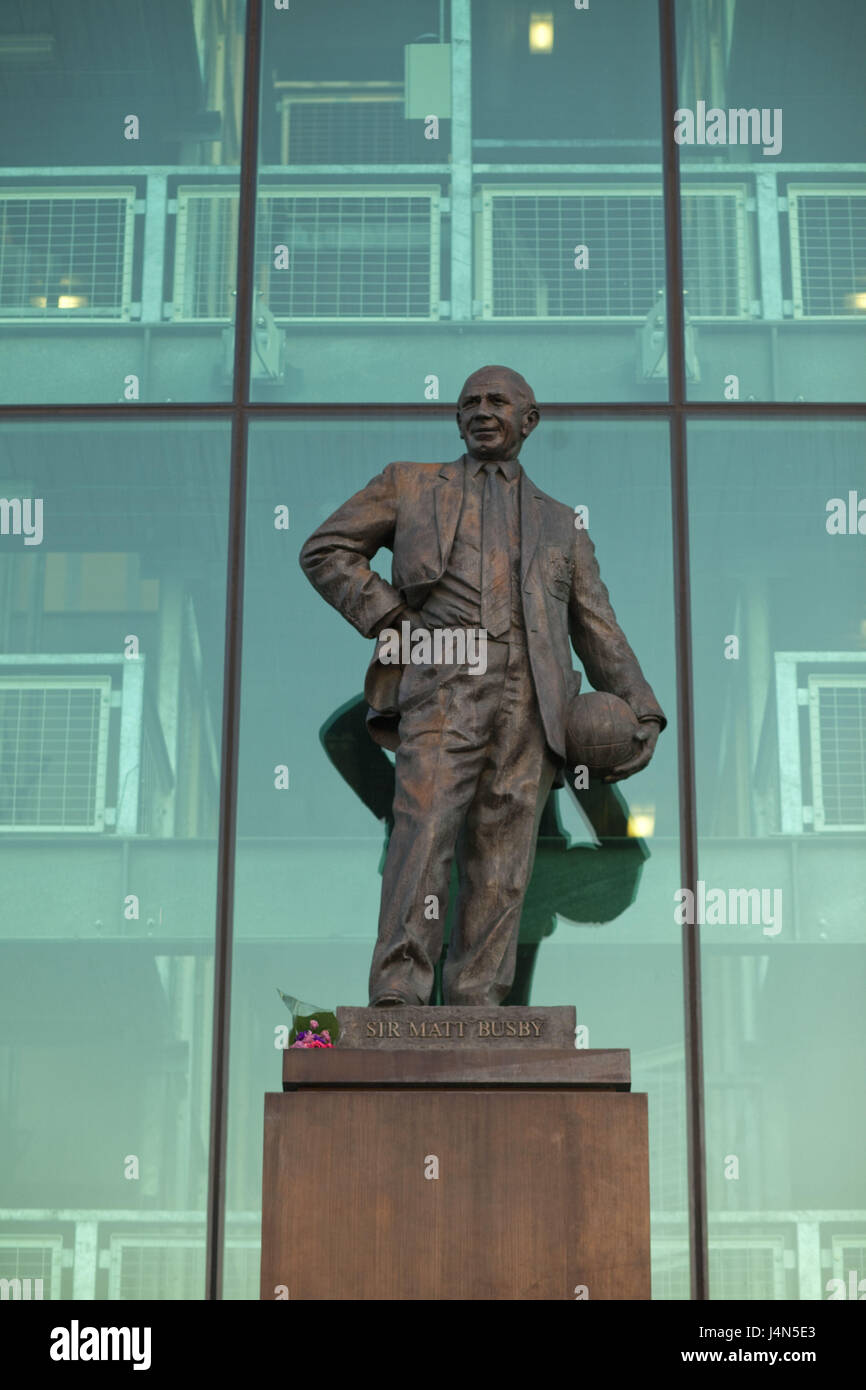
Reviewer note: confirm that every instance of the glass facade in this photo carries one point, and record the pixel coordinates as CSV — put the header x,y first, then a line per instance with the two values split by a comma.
x,y
772,149
115,280
399,193
780,695
112,601
491,187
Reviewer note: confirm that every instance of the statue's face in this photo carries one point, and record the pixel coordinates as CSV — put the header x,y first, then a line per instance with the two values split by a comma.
x,y
494,417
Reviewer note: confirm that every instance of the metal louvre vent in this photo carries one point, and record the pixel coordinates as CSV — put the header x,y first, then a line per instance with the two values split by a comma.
x,y
529,238
348,132
849,1254
364,254
368,255
837,727
66,254
28,1259
170,1267
828,250
53,752
670,1269
752,1269
739,1266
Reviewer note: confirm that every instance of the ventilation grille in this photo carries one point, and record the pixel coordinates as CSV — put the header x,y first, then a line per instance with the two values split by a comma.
x,y
837,725
53,749
747,1270
670,1269
66,255
349,130
739,1268
367,255
360,123
828,251
343,132
849,1254
529,239
168,1267
31,1258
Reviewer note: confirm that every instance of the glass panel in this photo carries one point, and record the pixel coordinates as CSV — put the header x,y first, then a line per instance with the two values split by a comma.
x,y
112,589
777,526
118,199
773,158
439,190
597,928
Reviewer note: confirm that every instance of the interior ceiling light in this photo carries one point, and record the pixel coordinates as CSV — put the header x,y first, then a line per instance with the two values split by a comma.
x,y
541,33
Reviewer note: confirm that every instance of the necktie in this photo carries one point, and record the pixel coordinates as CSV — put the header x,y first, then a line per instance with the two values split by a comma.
x,y
495,556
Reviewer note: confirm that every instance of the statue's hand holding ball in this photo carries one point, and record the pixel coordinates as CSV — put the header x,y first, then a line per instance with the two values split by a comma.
x,y
604,736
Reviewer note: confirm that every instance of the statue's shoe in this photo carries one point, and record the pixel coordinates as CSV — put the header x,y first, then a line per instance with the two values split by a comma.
x,y
388,1001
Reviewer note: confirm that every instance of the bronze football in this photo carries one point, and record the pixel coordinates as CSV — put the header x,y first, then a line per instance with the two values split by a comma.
x,y
599,732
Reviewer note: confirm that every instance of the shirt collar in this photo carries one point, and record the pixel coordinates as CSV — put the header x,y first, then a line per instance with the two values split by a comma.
x,y
510,467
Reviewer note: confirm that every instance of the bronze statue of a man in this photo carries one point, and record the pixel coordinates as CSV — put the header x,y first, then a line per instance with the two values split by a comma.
x,y
479,548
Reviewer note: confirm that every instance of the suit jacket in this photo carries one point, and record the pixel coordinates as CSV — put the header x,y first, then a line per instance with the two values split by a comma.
x,y
413,509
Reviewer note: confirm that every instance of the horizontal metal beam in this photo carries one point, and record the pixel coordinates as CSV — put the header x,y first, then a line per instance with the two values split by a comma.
x,y
441,410
686,168
762,1217
63,659
232,171
565,144
136,1216
300,170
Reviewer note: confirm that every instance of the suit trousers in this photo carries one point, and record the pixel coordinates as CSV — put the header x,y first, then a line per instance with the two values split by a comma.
x,y
473,773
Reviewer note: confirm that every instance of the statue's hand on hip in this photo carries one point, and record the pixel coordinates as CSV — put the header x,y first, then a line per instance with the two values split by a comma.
x,y
415,619
392,624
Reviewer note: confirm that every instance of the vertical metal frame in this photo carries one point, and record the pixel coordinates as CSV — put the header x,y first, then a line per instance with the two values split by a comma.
x,y
788,726
223,944
691,946
769,243
153,267
461,157
131,746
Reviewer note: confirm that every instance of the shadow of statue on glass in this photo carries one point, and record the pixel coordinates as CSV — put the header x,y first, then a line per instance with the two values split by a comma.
x,y
587,885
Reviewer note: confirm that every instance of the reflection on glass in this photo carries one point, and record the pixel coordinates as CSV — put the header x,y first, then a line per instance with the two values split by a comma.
x,y
780,675
437,190
597,924
111,639
773,157
109,117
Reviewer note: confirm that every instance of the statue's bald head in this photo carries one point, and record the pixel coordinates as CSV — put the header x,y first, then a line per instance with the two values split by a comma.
x,y
496,410
518,384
